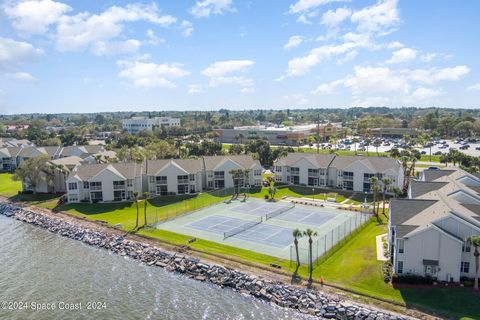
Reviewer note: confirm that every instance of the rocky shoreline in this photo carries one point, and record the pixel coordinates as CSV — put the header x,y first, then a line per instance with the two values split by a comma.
x,y
306,301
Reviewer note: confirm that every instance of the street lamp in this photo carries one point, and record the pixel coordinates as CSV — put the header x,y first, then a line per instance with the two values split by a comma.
x,y
313,194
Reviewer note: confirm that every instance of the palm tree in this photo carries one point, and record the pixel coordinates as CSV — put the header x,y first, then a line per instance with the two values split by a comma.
x,y
135,195
145,201
377,143
397,191
366,143
310,233
374,189
475,241
386,183
297,234
272,191
355,141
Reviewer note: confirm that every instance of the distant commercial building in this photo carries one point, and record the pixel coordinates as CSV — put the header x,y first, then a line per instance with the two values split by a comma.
x,y
288,136
393,132
137,124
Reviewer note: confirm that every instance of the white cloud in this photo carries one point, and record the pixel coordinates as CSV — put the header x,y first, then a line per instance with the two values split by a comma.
x,y
13,55
293,41
374,80
306,5
103,48
402,55
13,52
475,87
149,74
378,18
394,45
297,99
301,65
247,90
35,16
195,88
187,28
205,8
229,72
433,75
87,31
424,94
153,39
333,18
428,57
327,88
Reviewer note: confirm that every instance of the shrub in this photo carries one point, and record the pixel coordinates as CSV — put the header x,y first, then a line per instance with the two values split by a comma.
x,y
387,271
267,197
412,279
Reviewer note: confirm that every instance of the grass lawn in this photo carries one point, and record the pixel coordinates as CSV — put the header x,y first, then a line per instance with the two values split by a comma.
x,y
299,192
126,213
8,187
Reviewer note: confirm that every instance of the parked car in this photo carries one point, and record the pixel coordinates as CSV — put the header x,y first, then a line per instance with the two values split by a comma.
x,y
477,148
464,147
438,153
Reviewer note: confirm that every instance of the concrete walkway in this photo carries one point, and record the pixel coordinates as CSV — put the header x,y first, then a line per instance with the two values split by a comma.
x,y
380,253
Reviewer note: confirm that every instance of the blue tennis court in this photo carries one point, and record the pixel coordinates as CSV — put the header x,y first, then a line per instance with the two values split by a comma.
x,y
306,216
270,235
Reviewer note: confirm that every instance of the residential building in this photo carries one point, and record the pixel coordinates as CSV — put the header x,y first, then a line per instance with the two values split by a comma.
x,y
428,231
174,176
12,157
105,182
218,171
351,173
162,177
279,135
137,124
12,142
53,180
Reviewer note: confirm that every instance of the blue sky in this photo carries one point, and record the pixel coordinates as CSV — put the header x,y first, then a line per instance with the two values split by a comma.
x,y
88,56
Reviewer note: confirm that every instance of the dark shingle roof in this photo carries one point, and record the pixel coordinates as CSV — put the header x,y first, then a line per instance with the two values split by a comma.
x,y
403,230
432,175
402,210
419,188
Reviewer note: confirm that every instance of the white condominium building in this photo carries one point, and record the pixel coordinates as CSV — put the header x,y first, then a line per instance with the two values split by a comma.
x,y
428,232
118,181
337,172
137,124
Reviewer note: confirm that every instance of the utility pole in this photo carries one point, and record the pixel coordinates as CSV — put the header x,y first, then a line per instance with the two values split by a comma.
x,y
318,133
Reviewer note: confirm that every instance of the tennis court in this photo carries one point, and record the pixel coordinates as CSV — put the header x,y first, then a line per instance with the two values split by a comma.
x,y
266,227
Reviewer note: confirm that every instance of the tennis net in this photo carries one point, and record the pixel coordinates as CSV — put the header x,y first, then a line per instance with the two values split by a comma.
x,y
242,228
278,212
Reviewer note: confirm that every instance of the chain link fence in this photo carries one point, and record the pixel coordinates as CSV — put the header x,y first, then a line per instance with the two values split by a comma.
x,y
323,243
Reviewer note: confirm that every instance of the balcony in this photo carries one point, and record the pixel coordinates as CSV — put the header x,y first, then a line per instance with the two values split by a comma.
x,y
95,188
183,181
347,178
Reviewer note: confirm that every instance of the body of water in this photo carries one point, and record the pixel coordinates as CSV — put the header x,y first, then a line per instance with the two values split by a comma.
x,y
45,276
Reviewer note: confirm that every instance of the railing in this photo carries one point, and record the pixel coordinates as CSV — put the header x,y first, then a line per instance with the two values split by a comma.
x,y
96,188
347,178
183,181
119,187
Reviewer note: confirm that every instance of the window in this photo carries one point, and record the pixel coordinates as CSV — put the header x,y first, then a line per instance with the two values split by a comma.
x,y
278,169
161,179
72,198
465,267
182,179
86,185
401,246
151,179
323,172
466,247
130,183
312,172
72,186
118,184
257,172
294,170
192,177
400,267
219,174
97,185
182,189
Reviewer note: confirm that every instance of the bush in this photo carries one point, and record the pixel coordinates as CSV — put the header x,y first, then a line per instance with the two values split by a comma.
x,y
267,197
412,279
387,271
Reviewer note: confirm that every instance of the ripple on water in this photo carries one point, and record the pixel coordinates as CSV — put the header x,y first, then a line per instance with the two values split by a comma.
x,y
36,265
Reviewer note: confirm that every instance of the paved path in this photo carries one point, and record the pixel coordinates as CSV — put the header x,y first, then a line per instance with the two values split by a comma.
x,y
380,254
